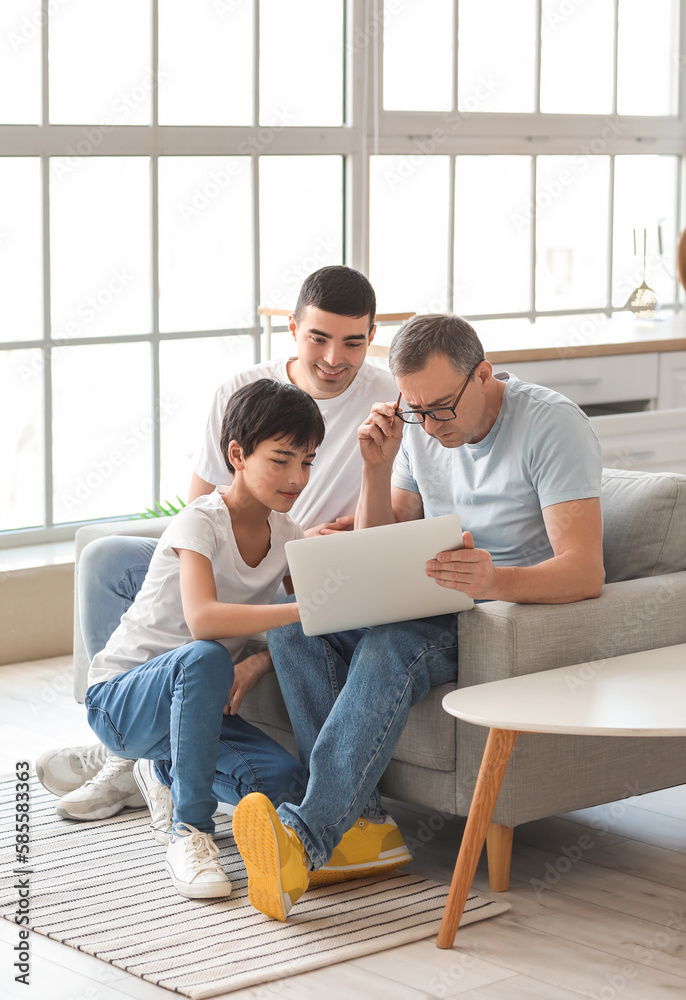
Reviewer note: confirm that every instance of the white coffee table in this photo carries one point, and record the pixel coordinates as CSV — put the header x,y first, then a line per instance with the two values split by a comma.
x,y
639,694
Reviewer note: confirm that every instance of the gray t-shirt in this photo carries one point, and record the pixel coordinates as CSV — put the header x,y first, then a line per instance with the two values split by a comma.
x,y
540,451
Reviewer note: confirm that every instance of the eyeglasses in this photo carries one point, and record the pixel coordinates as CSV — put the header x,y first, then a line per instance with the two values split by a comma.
x,y
440,413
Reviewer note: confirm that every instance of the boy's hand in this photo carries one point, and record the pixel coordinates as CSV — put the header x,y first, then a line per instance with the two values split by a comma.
x,y
380,435
469,569
345,523
246,675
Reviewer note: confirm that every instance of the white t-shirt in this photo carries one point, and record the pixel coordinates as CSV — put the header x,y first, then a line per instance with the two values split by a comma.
x,y
336,475
540,451
155,623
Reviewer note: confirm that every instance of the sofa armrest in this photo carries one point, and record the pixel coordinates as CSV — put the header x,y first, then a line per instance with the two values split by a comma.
x,y
497,639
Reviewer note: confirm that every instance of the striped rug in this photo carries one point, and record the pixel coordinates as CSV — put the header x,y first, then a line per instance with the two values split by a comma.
x,y
101,887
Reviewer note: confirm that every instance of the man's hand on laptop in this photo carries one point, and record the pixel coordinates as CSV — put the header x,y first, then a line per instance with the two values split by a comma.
x,y
380,435
469,569
345,523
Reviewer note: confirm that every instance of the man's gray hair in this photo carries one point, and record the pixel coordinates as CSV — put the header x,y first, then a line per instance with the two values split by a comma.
x,y
423,336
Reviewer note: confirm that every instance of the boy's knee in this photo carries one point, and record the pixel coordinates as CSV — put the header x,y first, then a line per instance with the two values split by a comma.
x,y
212,655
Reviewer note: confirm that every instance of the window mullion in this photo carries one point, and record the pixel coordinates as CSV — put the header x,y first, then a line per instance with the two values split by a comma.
x,y
537,50
47,349
610,235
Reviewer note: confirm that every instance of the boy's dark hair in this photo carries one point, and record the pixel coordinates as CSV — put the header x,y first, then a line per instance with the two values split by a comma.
x,y
269,409
337,289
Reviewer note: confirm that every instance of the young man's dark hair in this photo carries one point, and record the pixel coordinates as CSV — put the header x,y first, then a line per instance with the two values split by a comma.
x,y
337,289
269,409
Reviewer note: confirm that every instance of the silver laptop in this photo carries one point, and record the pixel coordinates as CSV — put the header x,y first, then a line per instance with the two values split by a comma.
x,y
373,576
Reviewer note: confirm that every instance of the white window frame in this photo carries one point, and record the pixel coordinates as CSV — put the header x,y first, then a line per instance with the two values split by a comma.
x,y
368,129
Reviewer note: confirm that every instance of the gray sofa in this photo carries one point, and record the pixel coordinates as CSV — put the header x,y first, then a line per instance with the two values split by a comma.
x,y
642,606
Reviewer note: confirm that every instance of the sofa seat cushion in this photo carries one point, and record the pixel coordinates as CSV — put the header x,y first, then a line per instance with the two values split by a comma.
x,y
644,524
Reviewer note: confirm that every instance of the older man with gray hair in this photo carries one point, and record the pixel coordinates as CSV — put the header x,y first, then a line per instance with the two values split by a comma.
x,y
521,466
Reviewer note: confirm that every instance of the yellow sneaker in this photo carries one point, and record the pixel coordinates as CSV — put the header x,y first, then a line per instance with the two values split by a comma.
x,y
273,854
365,849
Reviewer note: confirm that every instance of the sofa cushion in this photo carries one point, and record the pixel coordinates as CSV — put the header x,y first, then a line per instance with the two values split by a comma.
x,y
644,524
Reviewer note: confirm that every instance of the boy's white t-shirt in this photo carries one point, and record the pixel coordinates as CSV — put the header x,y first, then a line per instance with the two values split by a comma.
x,y
336,475
155,623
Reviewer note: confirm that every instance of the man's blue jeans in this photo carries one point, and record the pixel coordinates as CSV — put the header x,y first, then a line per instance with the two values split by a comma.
x,y
169,710
349,696
111,572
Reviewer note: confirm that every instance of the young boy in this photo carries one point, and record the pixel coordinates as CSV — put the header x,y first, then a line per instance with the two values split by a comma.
x,y
159,689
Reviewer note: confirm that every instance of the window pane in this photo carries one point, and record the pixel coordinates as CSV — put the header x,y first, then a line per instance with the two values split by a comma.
x,y
499,76
571,232
301,62
100,62
648,59
20,62
100,246
645,197
21,441
417,54
206,62
102,430
21,258
577,57
205,220
493,234
301,222
190,371
408,220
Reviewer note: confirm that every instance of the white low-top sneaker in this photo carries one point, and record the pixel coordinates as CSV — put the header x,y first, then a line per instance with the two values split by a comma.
x,y
192,863
105,795
158,798
61,771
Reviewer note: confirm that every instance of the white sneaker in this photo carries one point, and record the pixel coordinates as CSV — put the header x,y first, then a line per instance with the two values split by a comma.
x,y
192,863
105,795
61,771
158,798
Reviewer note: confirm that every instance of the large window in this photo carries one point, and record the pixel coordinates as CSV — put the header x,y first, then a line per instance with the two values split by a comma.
x,y
166,167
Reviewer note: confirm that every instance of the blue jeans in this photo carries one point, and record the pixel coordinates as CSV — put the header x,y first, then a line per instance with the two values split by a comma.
x,y
349,695
111,572
169,710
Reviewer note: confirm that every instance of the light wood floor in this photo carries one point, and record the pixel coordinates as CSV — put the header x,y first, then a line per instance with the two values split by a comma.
x,y
606,919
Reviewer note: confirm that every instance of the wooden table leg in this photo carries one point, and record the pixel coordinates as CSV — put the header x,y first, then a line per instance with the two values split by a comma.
x,y
499,747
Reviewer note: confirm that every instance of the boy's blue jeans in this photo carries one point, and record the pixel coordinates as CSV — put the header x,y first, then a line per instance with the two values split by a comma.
x,y
349,695
170,710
